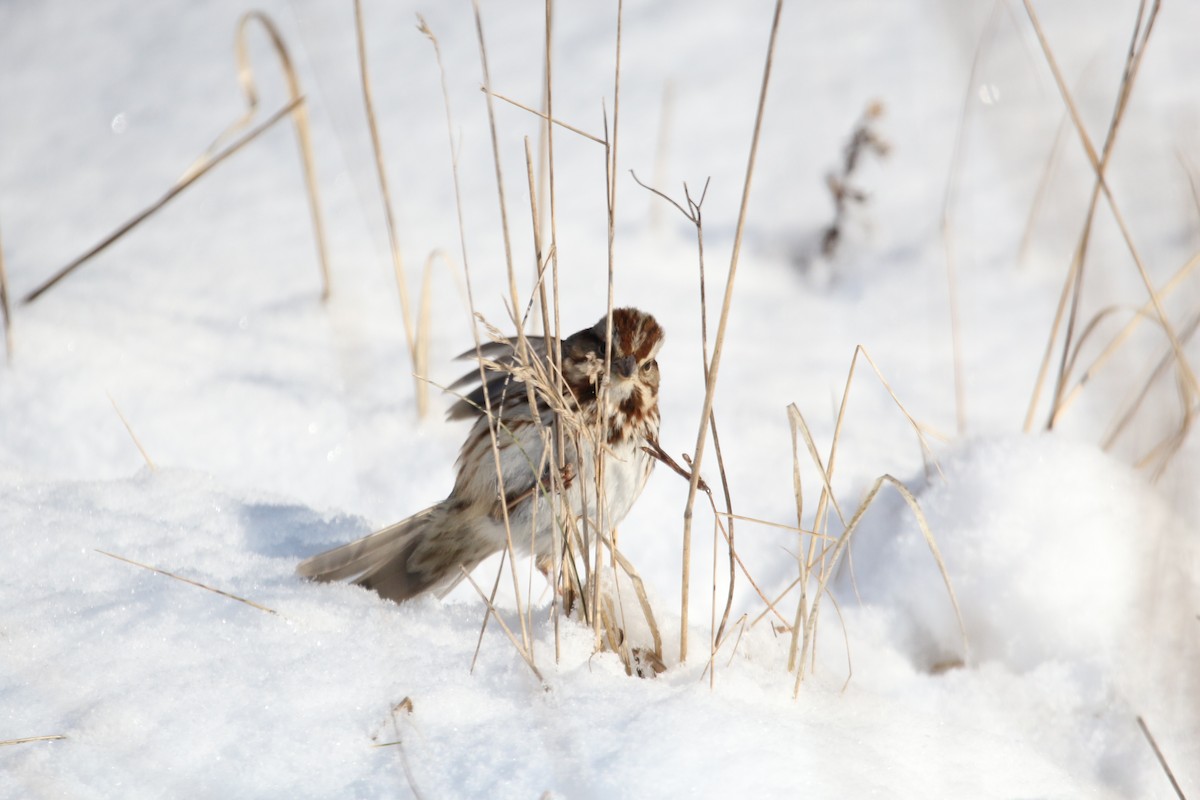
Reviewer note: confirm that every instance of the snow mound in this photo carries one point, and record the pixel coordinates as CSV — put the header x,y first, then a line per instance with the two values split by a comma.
x,y
1048,544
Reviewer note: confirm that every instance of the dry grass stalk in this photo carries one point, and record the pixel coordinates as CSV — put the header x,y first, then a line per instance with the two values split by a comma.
x,y
545,116
1189,169
206,587
1145,312
719,344
827,495
1043,189
643,600
132,435
1141,34
406,706
822,557
595,556
522,343
191,177
766,523
795,422
610,178
558,580
410,335
526,645
819,528
830,557
694,214
4,308
299,118
662,146
424,28
1162,761
296,107
425,316
949,207
1156,373
551,328
26,740
1076,273
526,655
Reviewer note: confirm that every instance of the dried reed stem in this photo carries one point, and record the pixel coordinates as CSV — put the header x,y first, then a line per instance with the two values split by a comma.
x,y
210,158
840,548
949,204
1162,761
551,329
523,345
718,346
545,116
694,214
1146,311
132,435
525,654
462,238
610,180
554,388
299,118
1043,188
1132,63
405,705
26,740
189,581
662,146
1098,163
191,177
422,390
1164,363
4,308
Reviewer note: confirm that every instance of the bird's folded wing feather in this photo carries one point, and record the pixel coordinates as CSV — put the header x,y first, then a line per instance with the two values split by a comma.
x,y
499,380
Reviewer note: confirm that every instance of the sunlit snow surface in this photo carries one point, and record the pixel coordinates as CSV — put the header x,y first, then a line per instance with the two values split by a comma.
x,y
281,426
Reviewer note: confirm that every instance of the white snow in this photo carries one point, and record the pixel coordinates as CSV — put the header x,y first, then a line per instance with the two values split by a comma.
x,y
280,426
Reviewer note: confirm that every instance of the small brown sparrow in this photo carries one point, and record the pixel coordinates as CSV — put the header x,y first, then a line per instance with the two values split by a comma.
x,y
429,550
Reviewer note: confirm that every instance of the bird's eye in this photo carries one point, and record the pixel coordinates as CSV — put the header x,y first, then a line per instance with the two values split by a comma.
x,y
649,365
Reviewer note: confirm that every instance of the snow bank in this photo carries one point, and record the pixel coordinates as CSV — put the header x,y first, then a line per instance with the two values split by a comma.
x,y
1049,545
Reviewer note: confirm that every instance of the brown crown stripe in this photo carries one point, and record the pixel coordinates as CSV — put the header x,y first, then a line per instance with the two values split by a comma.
x,y
637,333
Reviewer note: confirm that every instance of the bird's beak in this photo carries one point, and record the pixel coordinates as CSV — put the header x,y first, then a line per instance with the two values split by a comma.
x,y
624,367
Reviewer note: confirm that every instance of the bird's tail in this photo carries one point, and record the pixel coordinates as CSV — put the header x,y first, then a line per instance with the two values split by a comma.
x,y
384,561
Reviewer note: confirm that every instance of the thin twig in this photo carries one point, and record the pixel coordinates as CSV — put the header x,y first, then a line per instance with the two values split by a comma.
x,y
26,740
546,116
552,328
132,435
171,194
487,82
405,705
1077,271
422,390
507,632
718,346
694,214
1098,167
188,581
299,118
1162,761
1145,312
4,308
949,205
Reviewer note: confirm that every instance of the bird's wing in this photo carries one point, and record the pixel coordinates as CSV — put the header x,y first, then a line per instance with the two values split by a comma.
x,y
499,381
